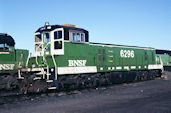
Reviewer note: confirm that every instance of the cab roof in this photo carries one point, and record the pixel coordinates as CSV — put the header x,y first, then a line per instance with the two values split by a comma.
x,y
6,39
53,27
160,51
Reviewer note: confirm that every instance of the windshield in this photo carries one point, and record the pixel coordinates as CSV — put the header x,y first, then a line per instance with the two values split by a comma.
x,y
38,38
4,48
46,37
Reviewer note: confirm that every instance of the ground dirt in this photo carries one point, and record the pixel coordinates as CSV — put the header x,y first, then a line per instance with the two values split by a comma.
x,y
152,96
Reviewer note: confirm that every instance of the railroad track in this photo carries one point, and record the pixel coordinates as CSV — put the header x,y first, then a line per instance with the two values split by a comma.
x,y
16,96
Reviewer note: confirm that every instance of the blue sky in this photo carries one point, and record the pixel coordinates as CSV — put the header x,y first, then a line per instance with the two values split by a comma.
x,y
144,23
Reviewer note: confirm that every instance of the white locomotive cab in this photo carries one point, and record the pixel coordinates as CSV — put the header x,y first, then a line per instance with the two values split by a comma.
x,y
57,41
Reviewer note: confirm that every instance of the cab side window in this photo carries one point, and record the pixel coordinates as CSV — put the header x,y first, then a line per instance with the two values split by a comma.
x,y
82,37
1,47
4,48
47,39
58,35
38,38
58,45
77,36
73,37
58,40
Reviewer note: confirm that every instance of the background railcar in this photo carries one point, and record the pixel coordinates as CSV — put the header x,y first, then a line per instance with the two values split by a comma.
x,y
165,56
11,60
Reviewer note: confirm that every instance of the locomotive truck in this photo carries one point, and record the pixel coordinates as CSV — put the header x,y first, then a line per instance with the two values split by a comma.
x,y
65,59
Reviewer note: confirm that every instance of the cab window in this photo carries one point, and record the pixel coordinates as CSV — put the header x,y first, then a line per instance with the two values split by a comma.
x,y
58,35
46,36
1,45
82,37
4,48
58,45
73,37
38,38
77,36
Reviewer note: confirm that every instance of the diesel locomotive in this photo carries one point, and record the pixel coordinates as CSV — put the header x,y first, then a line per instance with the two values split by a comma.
x,y
11,60
64,58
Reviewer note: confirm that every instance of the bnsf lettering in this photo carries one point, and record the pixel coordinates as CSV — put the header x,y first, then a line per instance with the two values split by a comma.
x,y
7,66
77,62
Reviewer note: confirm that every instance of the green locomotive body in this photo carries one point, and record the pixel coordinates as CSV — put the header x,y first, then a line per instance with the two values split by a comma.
x,y
65,52
70,53
91,58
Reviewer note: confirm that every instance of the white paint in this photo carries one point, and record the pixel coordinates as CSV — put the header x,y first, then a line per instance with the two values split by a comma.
x,y
155,66
47,53
50,88
7,66
126,67
57,51
4,53
19,75
110,60
77,70
31,69
77,63
119,67
133,67
37,78
110,56
109,68
37,33
110,51
101,68
113,45
127,53
145,66
139,67
49,27
49,81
